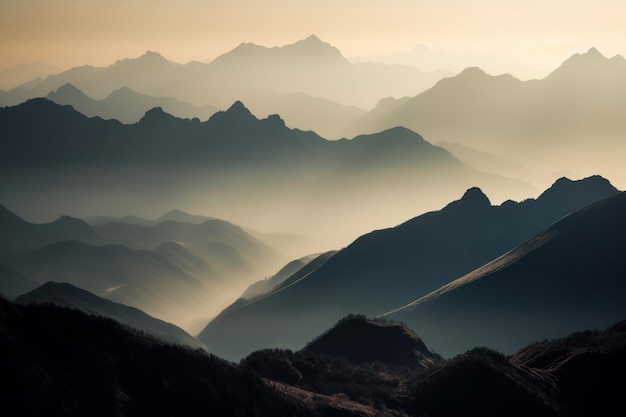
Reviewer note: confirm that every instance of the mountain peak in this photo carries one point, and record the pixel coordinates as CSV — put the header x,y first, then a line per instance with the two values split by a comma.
x,y
238,109
588,189
472,72
473,199
66,93
593,52
313,39
361,340
475,196
149,57
156,114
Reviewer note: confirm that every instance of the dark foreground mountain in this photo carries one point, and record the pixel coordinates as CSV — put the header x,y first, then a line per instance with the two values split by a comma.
x,y
360,340
66,295
57,361
381,269
568,278
575,376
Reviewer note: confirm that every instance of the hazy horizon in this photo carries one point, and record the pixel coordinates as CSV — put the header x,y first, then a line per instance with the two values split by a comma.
x,y
526,39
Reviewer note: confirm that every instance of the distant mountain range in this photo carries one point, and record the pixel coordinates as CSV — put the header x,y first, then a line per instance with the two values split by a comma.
x,y
310,66
568,278
66,295
385,267
248,170
126,105
178,271
575,113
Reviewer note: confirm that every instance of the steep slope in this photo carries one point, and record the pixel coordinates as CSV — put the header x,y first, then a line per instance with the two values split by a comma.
x,y
66,295
381,269
574,112
568,278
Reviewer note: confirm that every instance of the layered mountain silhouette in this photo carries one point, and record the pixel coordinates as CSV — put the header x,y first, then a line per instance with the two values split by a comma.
x,y
66,295
307,77
248,170
385,267
574,112
126,105
568,278
178,271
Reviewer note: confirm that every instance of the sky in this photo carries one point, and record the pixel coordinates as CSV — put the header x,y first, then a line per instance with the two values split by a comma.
x,y
538,33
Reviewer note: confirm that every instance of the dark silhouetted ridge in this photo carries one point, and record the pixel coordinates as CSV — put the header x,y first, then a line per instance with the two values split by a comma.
x,y
156,115
473,200
360,340
67,295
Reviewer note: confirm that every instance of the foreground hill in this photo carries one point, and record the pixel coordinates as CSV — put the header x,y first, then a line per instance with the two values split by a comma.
x,y
74,364
568,278
360,340
385,268
254,172
66,295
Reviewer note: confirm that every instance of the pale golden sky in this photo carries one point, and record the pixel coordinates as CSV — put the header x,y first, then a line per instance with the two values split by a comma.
x,y
540,33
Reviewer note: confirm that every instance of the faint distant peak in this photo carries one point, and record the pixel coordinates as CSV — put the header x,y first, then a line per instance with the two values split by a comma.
x,y
472,72
582,63
66,92
148,58
315,47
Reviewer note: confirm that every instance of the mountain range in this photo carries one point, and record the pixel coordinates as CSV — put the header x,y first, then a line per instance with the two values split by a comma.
x,y
177,271
568,278
383,269
570,119
255,172
126,105
290,80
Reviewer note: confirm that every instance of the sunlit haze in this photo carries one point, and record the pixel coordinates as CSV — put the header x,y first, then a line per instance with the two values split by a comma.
x,y
536,34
